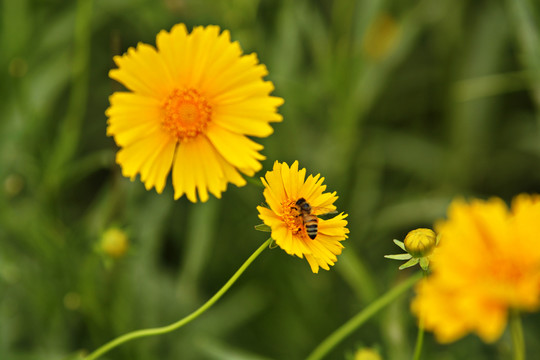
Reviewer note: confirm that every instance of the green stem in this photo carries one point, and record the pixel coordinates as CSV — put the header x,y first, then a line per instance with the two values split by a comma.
x,y
419,341
254,181
516,330
355,322
165,329
420,335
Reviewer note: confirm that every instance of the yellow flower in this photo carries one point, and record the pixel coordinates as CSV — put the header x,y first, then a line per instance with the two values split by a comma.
x,y
287,192
192,104
487,262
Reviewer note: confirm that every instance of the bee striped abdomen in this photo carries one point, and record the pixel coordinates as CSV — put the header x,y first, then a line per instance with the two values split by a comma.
x,y
311,228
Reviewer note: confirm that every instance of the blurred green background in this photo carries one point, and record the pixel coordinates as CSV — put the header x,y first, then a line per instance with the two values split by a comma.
x,y
402,105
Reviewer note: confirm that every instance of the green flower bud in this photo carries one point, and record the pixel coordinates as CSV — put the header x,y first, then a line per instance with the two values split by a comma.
x,y
420,242
114,242
367,354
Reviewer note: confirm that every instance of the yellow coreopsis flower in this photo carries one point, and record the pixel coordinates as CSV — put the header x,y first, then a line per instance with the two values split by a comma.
x,y
192,104
487,262
295,202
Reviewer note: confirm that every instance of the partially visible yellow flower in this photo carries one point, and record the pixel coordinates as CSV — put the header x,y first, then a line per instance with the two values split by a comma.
x,y
367,354
192,104
114,242
487,262
285,190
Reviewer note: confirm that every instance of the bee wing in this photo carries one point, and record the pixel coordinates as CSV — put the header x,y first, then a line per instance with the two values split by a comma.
x,y
325,212
328,215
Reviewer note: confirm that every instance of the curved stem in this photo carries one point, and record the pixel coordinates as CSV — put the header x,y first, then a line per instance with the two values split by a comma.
x,y
516,330
165,329
355,322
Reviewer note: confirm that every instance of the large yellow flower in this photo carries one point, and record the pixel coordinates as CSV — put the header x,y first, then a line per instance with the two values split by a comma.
x,y
192,103
286,191
487,262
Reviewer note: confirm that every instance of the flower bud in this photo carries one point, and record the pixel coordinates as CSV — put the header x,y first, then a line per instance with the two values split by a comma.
x,y
114,242
367,354
381,37
420,242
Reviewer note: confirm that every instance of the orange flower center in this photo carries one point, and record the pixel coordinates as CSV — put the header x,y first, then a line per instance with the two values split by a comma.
x,y
291,216
187,114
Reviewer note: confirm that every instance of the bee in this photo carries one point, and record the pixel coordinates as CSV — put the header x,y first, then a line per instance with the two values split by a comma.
x,y
309,220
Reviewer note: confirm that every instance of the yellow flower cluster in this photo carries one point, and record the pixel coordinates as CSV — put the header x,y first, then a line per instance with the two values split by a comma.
x,y
487,262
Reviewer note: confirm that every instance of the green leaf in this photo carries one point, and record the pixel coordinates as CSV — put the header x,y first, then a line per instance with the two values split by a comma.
x,y
409,263
424,263
399,256
400,244
263,227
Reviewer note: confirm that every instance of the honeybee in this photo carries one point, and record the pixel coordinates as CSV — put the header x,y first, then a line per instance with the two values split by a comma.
x,y
310,221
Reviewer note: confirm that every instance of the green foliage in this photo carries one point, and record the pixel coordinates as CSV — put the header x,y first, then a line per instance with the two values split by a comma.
x,y
449,106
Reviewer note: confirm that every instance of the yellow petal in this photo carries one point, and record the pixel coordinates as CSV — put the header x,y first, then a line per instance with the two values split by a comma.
x,y
203,40
335,226
183,177
269,217
320,251
237,149
241,92
241,125
132,117
314,265
150,156
143,70
172,46
197,167
155,171
235,73
274,192
286,180
283,237
262,108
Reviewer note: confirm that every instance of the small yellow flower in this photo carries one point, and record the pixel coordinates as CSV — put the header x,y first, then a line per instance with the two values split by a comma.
x,y
114,242
487,262
298,230
192,104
